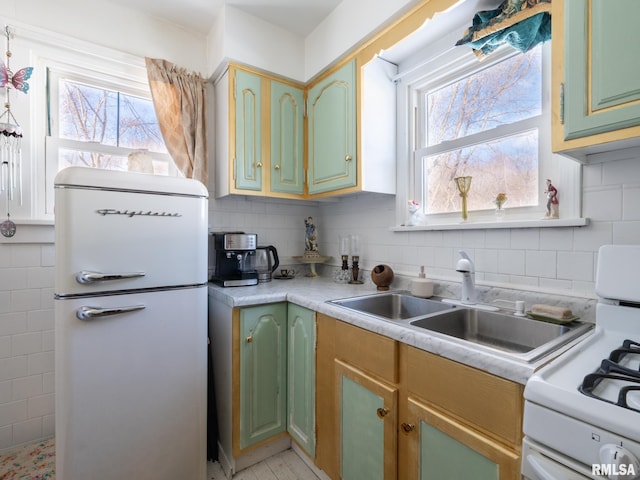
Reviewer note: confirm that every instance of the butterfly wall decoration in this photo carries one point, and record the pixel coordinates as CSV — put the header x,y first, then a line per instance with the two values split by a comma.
x,y
18,80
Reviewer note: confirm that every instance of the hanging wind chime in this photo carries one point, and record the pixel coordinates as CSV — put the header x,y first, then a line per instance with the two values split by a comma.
x,y
11,136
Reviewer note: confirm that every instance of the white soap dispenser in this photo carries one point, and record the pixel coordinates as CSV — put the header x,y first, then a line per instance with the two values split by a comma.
x,y
421,287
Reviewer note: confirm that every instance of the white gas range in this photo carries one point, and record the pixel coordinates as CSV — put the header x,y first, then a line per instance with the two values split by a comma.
x,y
582,412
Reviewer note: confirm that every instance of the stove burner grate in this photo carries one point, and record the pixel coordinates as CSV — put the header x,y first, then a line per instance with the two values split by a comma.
x,y
610,369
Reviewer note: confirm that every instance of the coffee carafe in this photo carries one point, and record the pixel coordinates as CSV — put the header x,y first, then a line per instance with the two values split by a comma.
x,y
265,262
231,258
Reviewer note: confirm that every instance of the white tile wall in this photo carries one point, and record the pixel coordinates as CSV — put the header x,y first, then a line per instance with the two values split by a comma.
x,y
547,259
26,343
544,259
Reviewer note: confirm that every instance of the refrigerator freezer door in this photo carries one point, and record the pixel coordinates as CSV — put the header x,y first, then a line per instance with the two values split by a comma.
x,y
131,387
115,239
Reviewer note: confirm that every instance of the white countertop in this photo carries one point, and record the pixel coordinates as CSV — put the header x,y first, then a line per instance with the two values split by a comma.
x,y
314,292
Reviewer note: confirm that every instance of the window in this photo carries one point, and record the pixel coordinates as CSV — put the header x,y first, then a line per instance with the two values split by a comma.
x,y
486,119
483,125
101,122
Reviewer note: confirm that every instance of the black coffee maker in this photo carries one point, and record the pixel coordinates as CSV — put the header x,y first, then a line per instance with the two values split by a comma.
x,y
230,258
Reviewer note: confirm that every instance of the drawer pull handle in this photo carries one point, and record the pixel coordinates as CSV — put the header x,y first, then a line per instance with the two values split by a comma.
x,y
382,412
347,158
408,427
249,339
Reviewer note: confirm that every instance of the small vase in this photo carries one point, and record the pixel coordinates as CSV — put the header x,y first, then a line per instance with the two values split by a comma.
x,y
500,211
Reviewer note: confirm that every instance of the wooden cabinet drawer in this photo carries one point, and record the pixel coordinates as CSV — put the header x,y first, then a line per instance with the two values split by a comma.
x,y
489,402
369,351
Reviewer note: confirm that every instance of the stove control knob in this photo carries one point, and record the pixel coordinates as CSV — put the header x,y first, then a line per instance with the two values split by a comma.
x,y
619,463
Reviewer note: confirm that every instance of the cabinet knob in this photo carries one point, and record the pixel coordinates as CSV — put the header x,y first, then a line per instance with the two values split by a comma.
x,y
276,166
249,339
382,412
347,158
259,164
407,427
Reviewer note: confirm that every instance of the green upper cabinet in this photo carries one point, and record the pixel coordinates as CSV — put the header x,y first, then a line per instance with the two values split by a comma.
x,y
248,131
599,60
287,138
331,112
599,84
263,372
301,378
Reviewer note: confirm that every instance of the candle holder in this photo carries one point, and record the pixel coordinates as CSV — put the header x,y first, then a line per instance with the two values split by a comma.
x,y
463,184
345,262
355,270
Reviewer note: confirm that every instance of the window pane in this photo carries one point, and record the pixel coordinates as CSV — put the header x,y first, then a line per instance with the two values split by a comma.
x,y
507,92
75,158
83,158
507,165
87,113
93,114
138,124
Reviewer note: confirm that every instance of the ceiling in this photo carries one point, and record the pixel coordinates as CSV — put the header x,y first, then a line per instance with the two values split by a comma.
x,y
297,16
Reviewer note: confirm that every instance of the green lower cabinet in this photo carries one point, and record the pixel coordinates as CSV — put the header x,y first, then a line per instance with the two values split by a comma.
x,y
277,374
263,372
448,448
301,378
368,412
362,433
441,456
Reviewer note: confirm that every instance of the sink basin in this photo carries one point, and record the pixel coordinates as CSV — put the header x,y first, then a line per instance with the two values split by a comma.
x,y
519,337
393,305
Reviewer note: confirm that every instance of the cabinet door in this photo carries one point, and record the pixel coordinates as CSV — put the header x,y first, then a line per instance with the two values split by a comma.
x,y
602,90
301,376
446,448
263,367
368,414
331,111
248,131
287,138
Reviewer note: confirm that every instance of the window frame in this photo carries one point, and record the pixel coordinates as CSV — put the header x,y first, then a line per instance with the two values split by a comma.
x,y
434,69
56,71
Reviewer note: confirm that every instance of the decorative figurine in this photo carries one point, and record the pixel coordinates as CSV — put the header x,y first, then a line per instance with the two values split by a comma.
x,y
311,254
310,237
415,215
552,201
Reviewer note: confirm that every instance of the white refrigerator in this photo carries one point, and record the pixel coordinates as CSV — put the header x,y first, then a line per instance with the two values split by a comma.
x,y
130,326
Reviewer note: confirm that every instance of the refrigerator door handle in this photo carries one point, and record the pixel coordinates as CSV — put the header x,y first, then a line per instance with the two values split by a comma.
x,y
89,313
90,277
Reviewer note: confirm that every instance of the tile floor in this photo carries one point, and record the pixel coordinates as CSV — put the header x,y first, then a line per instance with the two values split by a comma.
x,y
284,466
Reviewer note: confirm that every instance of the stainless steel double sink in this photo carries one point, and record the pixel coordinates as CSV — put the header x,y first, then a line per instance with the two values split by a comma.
x,y
520,338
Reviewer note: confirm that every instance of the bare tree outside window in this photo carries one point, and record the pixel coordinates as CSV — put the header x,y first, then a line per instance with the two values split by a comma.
x,y
479,126
100,116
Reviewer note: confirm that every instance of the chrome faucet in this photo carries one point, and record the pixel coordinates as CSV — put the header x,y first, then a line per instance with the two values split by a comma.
x,y
466,267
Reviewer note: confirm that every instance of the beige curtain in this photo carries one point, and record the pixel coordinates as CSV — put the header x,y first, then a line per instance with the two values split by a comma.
x,y
180,99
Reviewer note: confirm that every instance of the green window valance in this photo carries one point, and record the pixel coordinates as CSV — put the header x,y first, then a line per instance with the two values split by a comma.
x,y
521,23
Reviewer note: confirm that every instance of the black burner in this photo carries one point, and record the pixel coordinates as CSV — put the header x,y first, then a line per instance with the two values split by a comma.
x,y
611,369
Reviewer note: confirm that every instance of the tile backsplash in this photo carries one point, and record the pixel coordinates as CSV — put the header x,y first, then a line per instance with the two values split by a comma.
x,y
557,264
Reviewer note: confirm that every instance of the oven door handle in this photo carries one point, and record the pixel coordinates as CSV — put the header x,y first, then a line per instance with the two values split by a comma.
x,y
545,468
539,469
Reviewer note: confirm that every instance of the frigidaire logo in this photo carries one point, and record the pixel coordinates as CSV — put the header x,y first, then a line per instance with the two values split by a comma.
x,y
135,213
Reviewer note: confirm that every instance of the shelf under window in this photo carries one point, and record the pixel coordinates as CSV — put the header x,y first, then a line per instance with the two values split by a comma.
x,y
486,225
